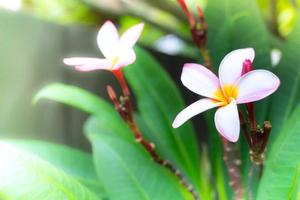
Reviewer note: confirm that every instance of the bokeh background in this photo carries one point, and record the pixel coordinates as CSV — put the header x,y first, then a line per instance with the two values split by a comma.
x,y
36,35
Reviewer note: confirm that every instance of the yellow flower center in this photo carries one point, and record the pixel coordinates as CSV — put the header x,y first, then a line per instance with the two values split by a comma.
x,y
114,62
225,94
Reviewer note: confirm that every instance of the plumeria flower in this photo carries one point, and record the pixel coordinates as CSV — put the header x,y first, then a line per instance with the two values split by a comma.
x,y
235,85
118,51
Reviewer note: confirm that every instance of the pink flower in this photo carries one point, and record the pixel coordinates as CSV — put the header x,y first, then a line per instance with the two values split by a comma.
x,y
118,51
231,88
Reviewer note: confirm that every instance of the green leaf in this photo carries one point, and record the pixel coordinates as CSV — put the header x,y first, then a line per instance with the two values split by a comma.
x,y
75,163
85,101
281,174
24,176
158,103
288,95
130,173
72,96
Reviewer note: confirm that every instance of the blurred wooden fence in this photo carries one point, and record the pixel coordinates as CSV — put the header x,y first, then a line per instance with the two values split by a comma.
x,y
31,53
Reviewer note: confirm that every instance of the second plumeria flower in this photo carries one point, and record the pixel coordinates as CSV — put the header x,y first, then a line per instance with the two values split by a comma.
x,y
118,51
233,87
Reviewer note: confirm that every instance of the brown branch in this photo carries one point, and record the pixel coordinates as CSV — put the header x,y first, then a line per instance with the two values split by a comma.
x,y
237,161
250,109
234,172
244,129
198,28
207,58
150,147
250,182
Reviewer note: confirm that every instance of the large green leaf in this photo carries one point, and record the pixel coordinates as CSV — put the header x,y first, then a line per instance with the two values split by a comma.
x,y
75,163
129,171
24,176
85,101
281,177
158,103
73,96
126,169
288,71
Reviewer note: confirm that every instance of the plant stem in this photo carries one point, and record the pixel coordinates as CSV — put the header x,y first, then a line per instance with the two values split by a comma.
x,y
207,58
244,129
119,75
250,181
150,147
233,170
250,109
266,130
198,28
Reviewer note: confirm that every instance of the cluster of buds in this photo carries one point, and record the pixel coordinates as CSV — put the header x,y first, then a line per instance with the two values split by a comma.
x,y
197,25
122,104
257,138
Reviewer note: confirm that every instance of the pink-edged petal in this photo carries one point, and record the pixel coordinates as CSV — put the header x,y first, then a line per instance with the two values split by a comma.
x,y
108,39
194,109
200,80
87,68
88,64
127,58
256,85
231,67
76,61
227,121
129,38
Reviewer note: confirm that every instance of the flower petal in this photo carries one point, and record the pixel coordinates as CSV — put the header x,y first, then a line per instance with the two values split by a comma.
x,y
88,64
129,38
227,121
256,85
194,109
77,61
231,67
200,80
126,59
87,68
108,39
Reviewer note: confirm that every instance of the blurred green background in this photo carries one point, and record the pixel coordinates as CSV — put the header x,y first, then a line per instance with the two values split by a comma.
x,y
36,35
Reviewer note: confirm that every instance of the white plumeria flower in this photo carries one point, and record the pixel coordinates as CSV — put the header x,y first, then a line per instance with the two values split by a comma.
x,y
231,88
117,50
